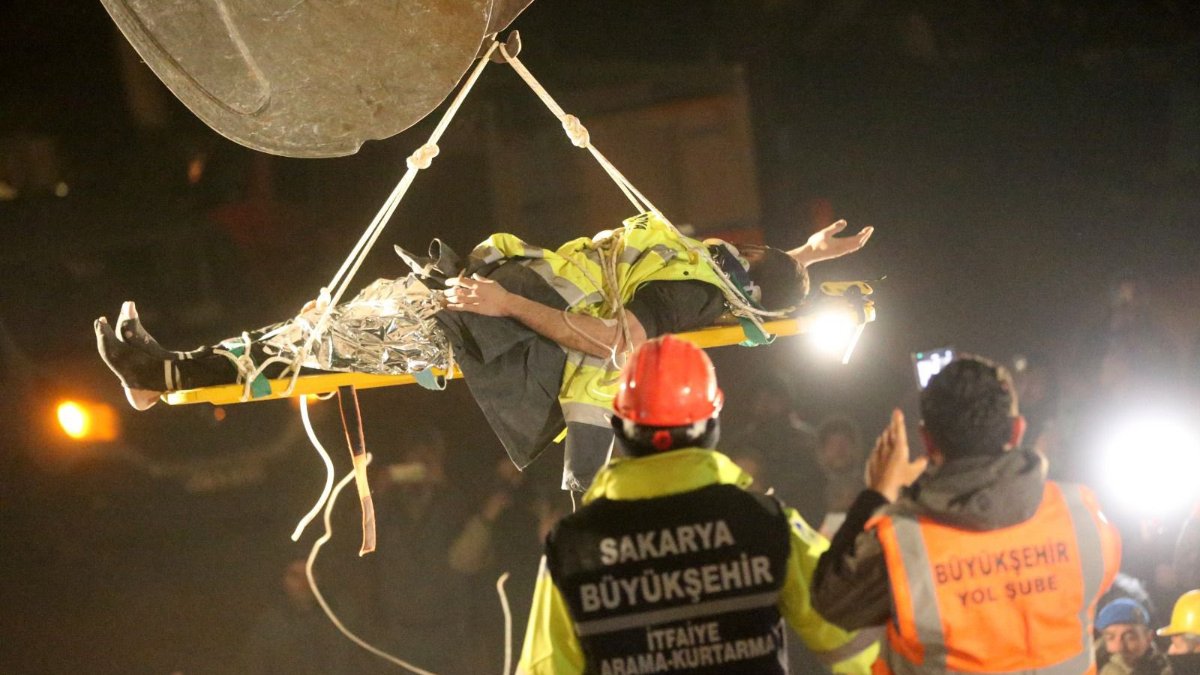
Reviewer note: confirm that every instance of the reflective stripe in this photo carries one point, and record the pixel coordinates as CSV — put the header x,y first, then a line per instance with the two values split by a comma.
x,y
584,413
700,609
911,544
569,291
630,255
926,616
647,249
862,640
1091,557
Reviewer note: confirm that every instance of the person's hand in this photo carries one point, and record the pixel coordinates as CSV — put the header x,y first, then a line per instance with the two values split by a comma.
x,y
888,469
824,245
477,295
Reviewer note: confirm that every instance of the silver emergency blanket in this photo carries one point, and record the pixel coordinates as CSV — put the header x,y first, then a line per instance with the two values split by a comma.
x,y
387,329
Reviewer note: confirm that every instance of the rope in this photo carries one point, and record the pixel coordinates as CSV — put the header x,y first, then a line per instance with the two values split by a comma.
x,y
247,371
329,473
579,134
421,159
581,138
507,622
312,583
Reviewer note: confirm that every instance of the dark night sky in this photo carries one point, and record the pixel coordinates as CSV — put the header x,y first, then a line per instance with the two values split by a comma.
x,y
1016,159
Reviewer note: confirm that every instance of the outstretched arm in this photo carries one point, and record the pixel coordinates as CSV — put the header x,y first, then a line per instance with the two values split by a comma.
x,y
825,246
578,332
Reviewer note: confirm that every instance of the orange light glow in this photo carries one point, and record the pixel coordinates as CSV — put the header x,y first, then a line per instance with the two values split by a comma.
x,y
311,398
87,421
195,169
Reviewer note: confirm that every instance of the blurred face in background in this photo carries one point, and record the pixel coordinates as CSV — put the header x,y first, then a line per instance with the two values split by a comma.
x,y
1130,640
1184,644
295,583
837,453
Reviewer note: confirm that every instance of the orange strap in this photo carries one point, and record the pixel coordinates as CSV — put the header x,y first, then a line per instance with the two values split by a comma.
x,y
352,423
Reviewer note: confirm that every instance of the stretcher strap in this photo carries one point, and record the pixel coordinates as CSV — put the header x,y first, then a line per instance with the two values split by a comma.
x,y
352,423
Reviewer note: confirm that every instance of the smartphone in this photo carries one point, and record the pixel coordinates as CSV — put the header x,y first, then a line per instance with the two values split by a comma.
x,y
930,362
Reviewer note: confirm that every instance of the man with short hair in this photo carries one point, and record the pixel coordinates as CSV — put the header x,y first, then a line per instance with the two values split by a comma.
x,y
1124,626
671,565
982,566
1184,631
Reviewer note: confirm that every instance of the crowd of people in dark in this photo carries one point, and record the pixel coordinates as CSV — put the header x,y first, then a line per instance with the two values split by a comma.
x,y
430,596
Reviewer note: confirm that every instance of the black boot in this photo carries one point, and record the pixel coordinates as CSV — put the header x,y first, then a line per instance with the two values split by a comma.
x,y
131,331
143,374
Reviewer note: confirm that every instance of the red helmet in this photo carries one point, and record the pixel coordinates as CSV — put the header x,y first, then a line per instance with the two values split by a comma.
x,y
668,382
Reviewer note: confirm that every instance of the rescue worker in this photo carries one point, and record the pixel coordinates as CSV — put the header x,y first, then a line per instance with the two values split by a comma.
x,y
1124,626
984,566
533,329
1184,631
670,565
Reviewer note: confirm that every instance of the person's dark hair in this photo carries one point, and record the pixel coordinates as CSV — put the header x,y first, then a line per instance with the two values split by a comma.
x,y
968,408
838,426
783,281
639,440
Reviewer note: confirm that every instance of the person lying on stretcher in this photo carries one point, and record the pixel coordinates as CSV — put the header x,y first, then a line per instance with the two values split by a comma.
x,y
537,333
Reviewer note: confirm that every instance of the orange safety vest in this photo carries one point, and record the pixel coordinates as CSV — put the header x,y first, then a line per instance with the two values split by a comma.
x,y
1020,598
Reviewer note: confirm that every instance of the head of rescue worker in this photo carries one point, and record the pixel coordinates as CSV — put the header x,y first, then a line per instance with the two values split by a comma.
x,y
1124,626
1184,631
978,541
671,565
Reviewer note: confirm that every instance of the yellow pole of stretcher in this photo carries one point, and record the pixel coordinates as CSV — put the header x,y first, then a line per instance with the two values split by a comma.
x,y
329,382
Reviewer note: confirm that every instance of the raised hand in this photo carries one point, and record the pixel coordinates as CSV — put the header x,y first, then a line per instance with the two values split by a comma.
x,y
889,469
824,245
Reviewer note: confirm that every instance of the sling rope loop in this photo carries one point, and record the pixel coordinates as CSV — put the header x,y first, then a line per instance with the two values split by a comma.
x,y
422,158
581,138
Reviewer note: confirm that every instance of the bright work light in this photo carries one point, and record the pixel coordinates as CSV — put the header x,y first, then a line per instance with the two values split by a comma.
x,y
835,333
1151,462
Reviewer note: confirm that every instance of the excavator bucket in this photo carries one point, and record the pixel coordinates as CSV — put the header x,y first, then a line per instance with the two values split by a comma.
x,y
310,79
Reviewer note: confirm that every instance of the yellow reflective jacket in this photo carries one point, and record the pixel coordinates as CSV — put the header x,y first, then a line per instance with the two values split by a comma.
x,y
645,249
551,645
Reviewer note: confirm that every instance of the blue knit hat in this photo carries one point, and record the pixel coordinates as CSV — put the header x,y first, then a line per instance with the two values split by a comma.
x,y
1122,610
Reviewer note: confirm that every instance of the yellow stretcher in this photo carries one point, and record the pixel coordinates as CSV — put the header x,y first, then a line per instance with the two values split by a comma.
x,y
324,383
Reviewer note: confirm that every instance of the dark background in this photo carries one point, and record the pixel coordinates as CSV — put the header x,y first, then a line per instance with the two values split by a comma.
x,y
1016,158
